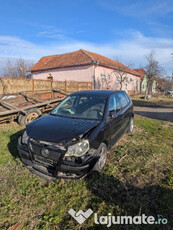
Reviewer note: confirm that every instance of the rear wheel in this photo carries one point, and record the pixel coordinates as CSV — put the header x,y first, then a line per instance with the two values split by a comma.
x,y
31,115
131,125
102,152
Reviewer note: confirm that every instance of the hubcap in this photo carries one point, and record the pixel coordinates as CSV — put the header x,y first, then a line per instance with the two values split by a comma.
x,y
131,125
102,159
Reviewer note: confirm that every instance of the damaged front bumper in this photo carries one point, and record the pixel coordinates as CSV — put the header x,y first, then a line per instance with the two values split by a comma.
x,y
50,162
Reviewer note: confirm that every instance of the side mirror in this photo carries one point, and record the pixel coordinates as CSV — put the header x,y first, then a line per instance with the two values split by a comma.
x,y
112,114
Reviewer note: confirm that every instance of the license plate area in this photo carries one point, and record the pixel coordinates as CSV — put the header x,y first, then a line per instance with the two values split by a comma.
x,y
44,154
43,160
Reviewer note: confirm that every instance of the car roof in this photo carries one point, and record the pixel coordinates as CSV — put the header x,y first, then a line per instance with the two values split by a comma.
x,y
105,93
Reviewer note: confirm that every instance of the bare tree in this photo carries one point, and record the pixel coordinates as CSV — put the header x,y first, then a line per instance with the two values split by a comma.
x,y
121,72
121,75
108,82
127,63
168,83
160,82
17,68
153,70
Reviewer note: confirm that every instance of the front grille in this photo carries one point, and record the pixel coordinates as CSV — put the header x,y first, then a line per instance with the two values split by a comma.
x,y
35,148
44,154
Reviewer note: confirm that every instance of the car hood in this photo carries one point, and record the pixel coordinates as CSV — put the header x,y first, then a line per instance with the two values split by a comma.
x,y
58,129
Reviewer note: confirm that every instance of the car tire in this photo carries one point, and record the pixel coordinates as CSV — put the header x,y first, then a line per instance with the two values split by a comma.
x,y
131,125
102,152
31,115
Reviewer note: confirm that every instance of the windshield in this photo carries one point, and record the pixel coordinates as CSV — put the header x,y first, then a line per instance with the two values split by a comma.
x,y
78,106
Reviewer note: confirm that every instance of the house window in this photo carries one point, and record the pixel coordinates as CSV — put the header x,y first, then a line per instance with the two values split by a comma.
x,y
127,82
131,80
103,77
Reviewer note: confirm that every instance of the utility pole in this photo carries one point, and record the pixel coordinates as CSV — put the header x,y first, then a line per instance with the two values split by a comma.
x,y
172,77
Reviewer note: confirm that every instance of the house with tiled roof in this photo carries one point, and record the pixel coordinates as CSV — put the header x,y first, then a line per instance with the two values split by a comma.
x,y
86,66
141,72
144,80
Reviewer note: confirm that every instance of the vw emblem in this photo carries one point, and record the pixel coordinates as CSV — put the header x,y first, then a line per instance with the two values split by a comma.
x,y
45,152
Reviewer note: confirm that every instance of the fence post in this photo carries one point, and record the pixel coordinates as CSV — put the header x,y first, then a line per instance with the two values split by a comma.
x,y
51,84
32,84
90,86
65,85
8,84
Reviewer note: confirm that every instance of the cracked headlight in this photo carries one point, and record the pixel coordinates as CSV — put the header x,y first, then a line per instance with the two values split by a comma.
x,y
79,149
25,138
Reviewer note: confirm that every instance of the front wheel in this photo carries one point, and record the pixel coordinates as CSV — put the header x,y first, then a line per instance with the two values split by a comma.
x,y
102,152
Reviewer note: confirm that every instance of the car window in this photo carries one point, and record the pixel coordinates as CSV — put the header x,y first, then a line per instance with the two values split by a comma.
x,y
89,107
69,102
123,99
83,100
117,104
127,97
114,104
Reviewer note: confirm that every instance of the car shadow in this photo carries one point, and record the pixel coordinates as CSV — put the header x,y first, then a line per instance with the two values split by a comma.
x,y
127,199
151,105
164,116
12,145
124,199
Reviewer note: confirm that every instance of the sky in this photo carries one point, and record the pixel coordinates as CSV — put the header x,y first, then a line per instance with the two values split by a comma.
x,y
125,30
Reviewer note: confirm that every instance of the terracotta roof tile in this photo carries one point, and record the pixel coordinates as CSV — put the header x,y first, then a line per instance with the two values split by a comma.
x,y
141,72
102,60
61,60
80,57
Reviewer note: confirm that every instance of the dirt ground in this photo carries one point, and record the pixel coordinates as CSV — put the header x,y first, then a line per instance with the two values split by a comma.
x,y
164,112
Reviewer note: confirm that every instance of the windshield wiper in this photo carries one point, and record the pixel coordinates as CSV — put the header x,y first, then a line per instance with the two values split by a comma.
x,y
53,114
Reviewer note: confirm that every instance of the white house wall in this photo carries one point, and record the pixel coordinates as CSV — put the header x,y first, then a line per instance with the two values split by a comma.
x,y
132,84
78,73
87,73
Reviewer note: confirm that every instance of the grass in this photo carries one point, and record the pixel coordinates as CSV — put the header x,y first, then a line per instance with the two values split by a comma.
x,y
153,101
138,178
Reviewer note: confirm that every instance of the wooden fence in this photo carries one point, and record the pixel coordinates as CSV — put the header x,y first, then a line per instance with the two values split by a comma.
x,y
14,85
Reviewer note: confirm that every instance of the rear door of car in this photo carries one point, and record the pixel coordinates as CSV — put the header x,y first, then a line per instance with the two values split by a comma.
x,y
125,111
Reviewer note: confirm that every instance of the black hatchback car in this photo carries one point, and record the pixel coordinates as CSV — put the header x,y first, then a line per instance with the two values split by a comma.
x,y
77,134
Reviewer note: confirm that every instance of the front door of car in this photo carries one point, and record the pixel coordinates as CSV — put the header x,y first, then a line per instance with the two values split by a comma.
x,y
114,120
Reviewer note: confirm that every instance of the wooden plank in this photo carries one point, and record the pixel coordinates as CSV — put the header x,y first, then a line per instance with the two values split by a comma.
x,y
60,91
31,98
38,105
7,105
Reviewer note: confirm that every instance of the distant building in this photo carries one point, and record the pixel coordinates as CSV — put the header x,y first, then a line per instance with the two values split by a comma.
x,y
86,66
144,80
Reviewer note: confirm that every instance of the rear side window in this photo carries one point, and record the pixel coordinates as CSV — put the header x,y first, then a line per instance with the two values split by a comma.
x,y
123,99
114,104
128,99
